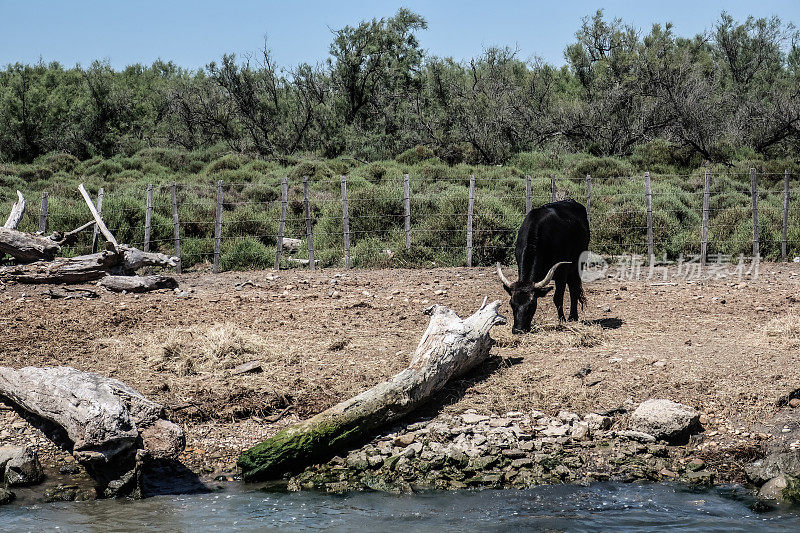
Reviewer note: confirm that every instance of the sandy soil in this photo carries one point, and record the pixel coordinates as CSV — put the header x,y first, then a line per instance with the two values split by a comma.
x,y
726,347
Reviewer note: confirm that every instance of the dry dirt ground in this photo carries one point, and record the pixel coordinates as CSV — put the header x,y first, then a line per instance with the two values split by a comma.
x,y
729,348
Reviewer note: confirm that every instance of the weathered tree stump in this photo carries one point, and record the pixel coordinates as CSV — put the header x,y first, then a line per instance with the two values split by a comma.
x,y
17,210
110,427
450,347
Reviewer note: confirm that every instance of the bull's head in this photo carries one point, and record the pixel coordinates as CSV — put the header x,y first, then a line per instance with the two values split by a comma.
x,y
524,296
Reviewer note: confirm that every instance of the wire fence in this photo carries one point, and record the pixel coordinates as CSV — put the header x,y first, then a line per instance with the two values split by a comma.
x,y
427,220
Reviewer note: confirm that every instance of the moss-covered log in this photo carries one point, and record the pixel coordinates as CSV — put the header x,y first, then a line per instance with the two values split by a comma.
x,y
450,347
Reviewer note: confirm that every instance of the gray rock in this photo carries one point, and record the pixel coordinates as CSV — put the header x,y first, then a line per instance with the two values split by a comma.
x,y
21,465
638,436
774,465
500,422
665,419
556,431
471,418
597,422
478,439
358,461
6,496
580,431
772,489
61,493
514,453
567,417
521,463
701,477
483,462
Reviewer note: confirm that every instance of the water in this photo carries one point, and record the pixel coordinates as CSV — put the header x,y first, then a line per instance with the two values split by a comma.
x,y
600,507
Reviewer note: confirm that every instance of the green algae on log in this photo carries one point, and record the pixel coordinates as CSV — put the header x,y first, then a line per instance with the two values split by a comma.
x,y
449,347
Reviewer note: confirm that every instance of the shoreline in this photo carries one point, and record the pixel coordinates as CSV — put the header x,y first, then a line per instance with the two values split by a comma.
x,y
515,450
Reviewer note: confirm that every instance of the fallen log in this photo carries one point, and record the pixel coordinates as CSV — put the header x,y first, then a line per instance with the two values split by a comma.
x,y
17,210
27,247
450,347
86,268
110,427
137,283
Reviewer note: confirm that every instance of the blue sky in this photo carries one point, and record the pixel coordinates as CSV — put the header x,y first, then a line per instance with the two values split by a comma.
x,y
193,33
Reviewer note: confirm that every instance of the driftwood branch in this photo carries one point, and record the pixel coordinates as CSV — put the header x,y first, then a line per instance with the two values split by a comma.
x,y
450,347
98,220
134,259
27,247
16,212
86,267
69,237
109,426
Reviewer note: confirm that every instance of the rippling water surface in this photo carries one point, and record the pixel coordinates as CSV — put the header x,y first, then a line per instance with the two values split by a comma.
x,y
600,507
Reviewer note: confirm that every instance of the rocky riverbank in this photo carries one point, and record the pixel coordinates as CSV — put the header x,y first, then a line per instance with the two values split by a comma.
x,y
658,440
517,450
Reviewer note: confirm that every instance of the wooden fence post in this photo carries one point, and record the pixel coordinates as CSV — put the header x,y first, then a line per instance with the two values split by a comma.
x,y
282,223
43,213
704,227
218,228
589,197
407,205
176,227
99,207
148,217
754,196
309,230
527,194
470,208
785,213
552,187
649,198
345,223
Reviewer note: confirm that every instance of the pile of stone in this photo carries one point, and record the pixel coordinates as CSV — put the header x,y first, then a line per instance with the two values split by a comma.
x,y
516,449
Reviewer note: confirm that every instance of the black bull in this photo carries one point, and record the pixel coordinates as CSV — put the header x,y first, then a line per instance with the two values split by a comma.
x,y
551,236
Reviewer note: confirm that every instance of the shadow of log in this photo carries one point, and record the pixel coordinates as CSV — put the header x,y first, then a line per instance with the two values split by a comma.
x,y
606,323
457,388
162,477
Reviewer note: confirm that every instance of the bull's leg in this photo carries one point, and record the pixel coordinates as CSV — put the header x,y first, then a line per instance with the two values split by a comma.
x,y
558,297
574,282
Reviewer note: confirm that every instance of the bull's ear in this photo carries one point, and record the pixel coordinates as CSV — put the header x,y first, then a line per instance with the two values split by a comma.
x,y
543,291
508,289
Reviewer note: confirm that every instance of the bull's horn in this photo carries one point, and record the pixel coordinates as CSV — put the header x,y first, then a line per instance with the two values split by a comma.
x,y
503,279
549,275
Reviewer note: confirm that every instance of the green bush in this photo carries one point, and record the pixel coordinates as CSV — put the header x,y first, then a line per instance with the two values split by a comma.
x,y
415,155
195,251
59,162
246,253
227,162
600,167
